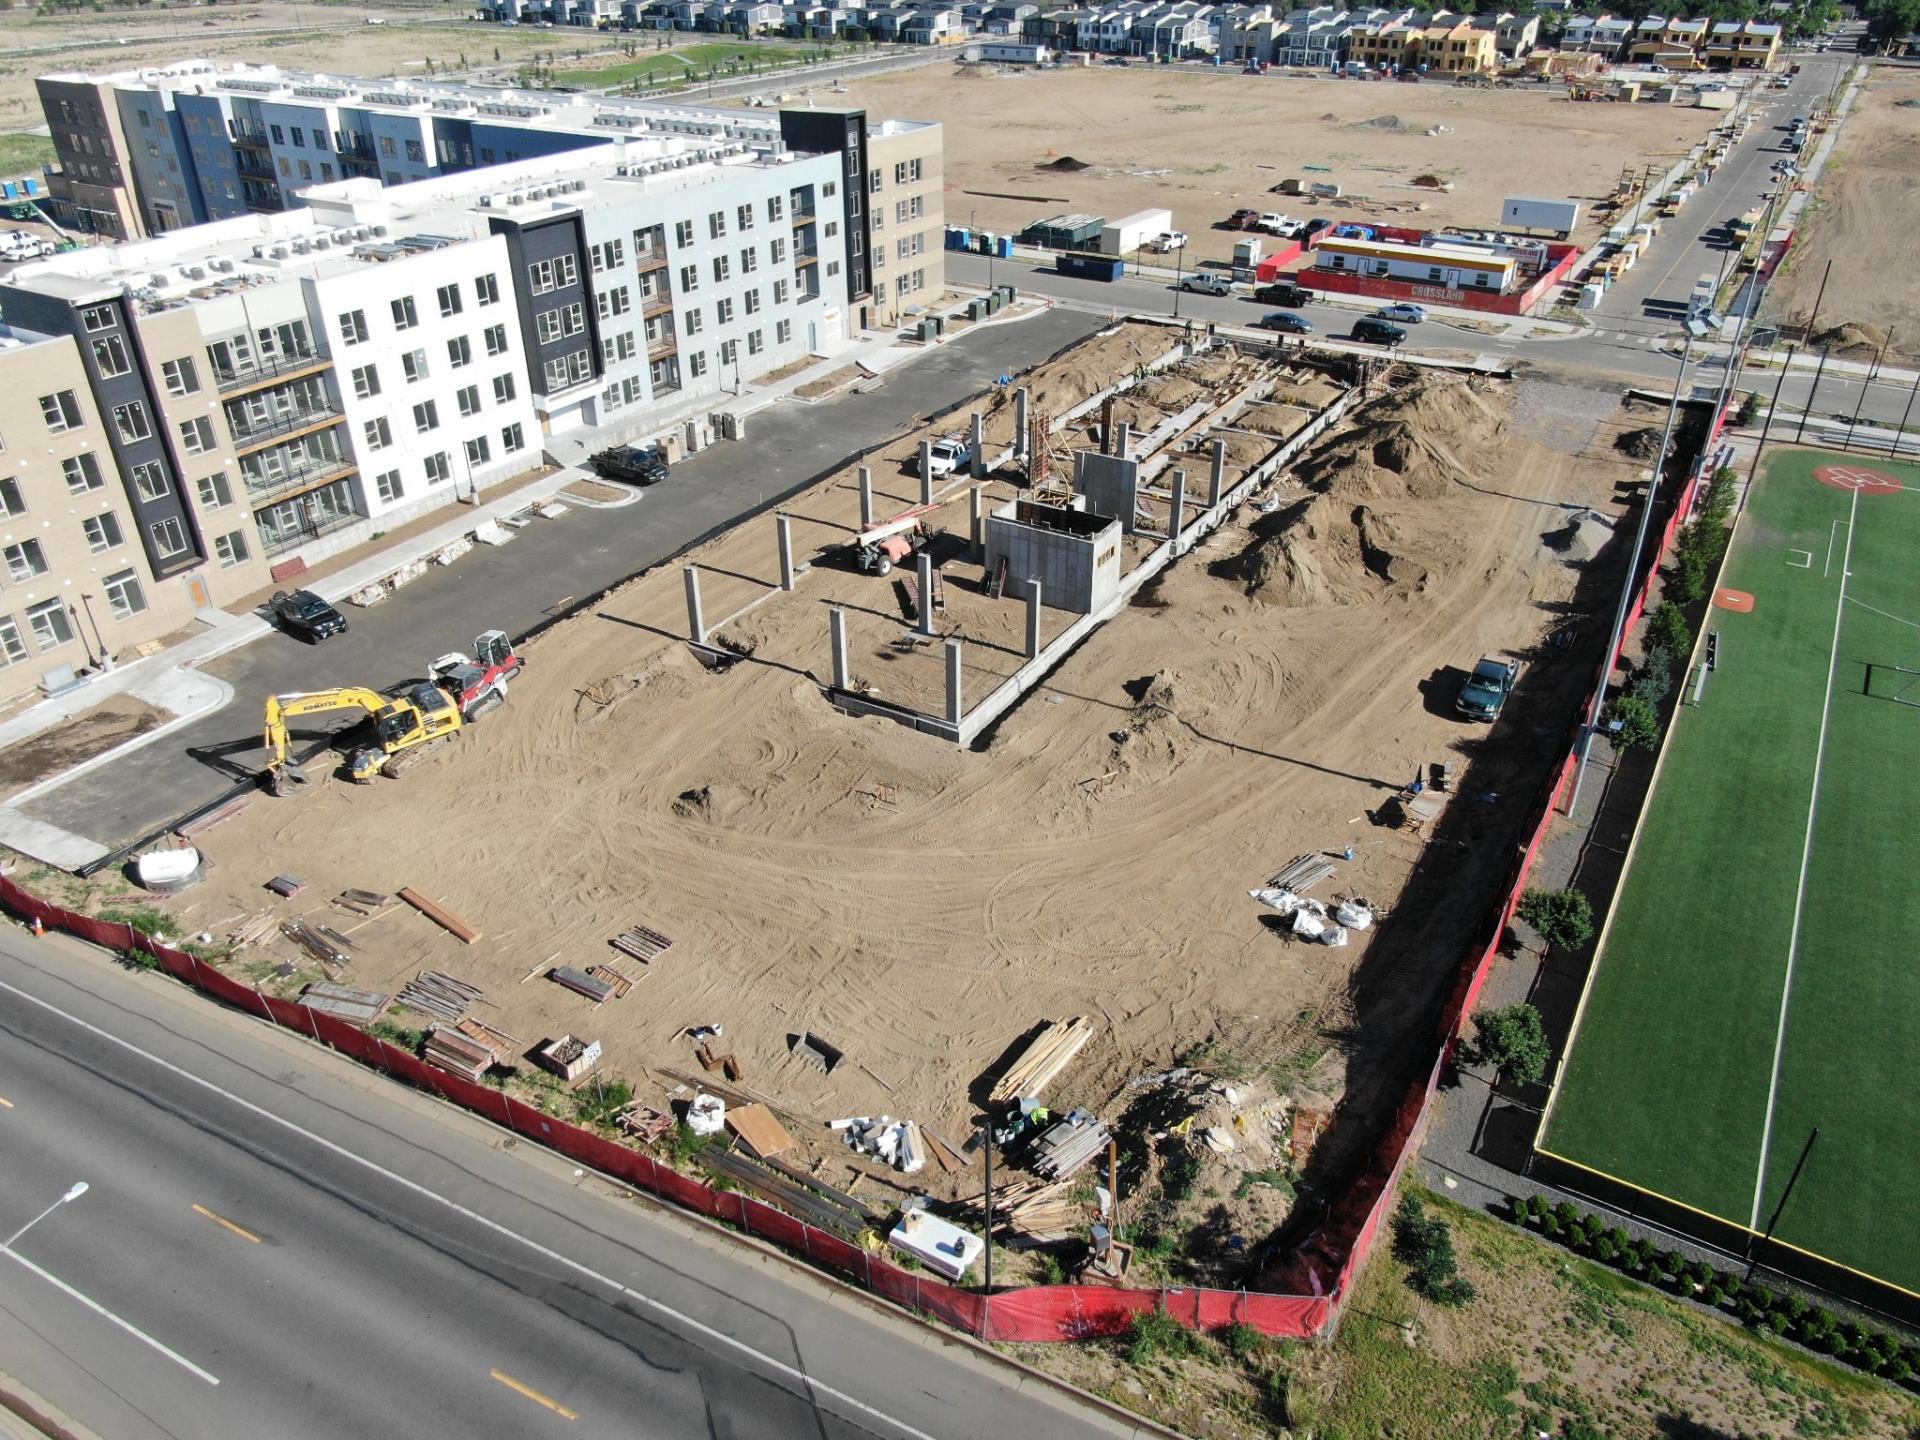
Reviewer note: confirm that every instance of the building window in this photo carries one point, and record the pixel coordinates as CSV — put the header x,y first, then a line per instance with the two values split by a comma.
x,y
13,649
97,317
388,486
214,491
478,452
729,351
169,538
405,317
449,297
782,332
512,438
540,277
697,364
413,365
722,269
608,256
503,389
496,337
102,531
749,260
753,302
124,594
52,626
573,319
776,208
683,232
778,252
716,224
830,189
131,421
469,399
486,289
231,549
723,312
614,303
150,481
565,272
426,416
379,434
110,357
353,327
197,435
366,382
546,325
780,292
689,280
61,410
694,322
82,472
755,342
25,560
438,468
180,375
459,351
10,502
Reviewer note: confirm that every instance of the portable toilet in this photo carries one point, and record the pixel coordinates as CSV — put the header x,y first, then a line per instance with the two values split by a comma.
x,y
1004,250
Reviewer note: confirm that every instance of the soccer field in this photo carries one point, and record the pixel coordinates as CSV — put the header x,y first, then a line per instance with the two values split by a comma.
x,y
1759,976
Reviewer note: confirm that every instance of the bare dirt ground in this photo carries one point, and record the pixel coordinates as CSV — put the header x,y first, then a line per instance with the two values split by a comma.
x,y
90,733
922,906
1864,221
1204,144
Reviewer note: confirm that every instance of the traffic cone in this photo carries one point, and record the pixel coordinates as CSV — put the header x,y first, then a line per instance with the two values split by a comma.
x,y
37,928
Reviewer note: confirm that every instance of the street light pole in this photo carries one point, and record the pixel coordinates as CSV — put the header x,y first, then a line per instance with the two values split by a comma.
x,y
1179,277
74,1192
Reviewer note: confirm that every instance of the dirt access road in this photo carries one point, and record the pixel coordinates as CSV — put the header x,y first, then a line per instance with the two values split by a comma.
x,y
1864,222
922,906
1204,143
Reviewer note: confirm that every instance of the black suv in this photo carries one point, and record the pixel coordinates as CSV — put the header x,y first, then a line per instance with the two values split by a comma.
x,y
303,613
638,464
1283,292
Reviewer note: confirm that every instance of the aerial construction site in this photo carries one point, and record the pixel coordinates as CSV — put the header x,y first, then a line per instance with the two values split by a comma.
x,y
1184,620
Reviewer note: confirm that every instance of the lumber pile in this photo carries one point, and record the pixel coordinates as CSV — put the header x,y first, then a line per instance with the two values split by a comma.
x,y
251,931
1301,874
1038,1211
760,1129
642,944
1046,1055
458,1054
444,918
322,942
440,995
798,1195
356,1007
645,1123
621,983
581,983
362,902
1069,1147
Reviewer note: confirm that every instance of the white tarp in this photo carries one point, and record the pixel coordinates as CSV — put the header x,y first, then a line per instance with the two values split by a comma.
x,y
707,1115
1355,914
1285,901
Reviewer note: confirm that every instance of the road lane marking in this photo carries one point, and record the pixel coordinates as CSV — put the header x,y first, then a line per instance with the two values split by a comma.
x,y
99,1309
810,1387
226,1224
534,1395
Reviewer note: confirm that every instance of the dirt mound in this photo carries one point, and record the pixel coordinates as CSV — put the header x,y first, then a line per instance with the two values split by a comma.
x,y
1065,162
1171,393
694,804
1383,122
1852,339
1429,182
1409,445
1641,444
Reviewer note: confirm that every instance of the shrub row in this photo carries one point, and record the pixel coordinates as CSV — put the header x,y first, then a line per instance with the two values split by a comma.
x,y
1778,1312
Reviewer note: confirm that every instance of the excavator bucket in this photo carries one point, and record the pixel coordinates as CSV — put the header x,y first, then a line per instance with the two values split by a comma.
x,y
285,779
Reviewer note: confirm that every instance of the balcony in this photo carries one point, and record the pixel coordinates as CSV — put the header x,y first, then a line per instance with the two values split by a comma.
x,y
265,489
800,217
249,435
808,256
251,166
248,139
658,303
650,257
278,542
665,345
237,380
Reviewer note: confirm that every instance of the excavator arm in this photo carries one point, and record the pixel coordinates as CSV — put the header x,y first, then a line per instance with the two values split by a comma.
x,y
281,708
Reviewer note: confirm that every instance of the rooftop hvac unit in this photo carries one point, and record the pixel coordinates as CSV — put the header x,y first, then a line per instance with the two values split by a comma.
x,y
259,252
195,272
301,247
378,229
579,185
222,263
279,252
156,281
322,242
486,202
517,198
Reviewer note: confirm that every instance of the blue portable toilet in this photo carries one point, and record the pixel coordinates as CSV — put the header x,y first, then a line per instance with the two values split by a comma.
x,y
1004,247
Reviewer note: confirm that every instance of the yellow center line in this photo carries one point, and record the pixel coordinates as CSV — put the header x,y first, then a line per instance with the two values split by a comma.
x,y
534,1395
226,1224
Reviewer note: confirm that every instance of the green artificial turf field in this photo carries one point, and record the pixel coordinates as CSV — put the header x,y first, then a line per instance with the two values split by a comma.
x,y
1760,975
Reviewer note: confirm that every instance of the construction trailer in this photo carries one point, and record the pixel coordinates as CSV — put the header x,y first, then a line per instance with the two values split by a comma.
x,y
1455,268
1123,236
1064,232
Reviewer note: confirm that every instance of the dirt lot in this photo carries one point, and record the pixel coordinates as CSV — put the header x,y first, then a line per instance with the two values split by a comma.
x,y
922,906
1204,144
1864,221
83,736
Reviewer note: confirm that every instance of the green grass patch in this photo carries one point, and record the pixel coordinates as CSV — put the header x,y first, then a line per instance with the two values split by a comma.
x,y
687,62
1667,1083
24,154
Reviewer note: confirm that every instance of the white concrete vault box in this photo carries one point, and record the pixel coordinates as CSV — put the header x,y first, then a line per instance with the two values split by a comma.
x,y
1070,550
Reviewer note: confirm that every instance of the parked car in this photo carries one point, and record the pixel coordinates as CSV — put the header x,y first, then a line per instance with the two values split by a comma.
x,y
947,456
1169,241
1207,282
636,464
303,613
1287,322
1487,688
1277,224
1242,220
1378,331
1282,292
1405,311
1314,227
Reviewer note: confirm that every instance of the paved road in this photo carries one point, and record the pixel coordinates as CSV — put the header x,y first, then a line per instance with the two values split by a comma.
x,y
348,1259
545,567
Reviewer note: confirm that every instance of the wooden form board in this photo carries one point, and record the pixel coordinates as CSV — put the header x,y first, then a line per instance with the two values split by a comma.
x,y
444,918
760,1129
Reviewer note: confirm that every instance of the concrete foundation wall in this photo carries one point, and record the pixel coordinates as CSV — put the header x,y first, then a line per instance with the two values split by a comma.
x,y
1077,573
1111,485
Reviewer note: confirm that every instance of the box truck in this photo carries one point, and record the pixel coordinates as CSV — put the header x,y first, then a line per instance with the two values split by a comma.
x,y
1523,212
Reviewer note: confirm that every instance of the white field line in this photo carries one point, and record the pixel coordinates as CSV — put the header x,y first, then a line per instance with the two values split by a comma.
x,y
1806,856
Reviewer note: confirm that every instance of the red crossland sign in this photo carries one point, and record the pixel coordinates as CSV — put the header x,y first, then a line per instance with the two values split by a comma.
x,y
1856,477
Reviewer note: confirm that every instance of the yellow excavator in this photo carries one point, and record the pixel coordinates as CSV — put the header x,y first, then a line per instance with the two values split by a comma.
x,y
404,725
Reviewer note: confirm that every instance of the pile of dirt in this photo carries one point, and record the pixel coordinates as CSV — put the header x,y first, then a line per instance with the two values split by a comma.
x,y
1852,340
1171,393
1383,122
1065,162
1429,182
1641,444
1409,444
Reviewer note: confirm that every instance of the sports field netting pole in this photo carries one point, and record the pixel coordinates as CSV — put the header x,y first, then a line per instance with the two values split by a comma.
x,y
1806,408
1626,587
1893,445
1766,429
1865,386
1753,1255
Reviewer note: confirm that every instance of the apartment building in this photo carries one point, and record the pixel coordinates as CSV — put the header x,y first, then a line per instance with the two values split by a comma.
x,y
1737,45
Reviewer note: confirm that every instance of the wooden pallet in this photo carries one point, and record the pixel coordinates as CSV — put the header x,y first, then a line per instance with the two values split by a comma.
x,y
621,983
642,944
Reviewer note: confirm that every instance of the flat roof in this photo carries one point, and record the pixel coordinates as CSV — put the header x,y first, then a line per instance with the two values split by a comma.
x,y
1395,250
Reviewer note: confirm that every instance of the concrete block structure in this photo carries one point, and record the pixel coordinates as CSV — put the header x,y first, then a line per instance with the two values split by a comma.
x,y
1110,485
1073,554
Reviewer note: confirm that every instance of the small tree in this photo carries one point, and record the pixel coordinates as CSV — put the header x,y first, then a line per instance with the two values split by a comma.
x,y
1634,724
1654,676
1668,629
1424,1244
1749,410
1513,1041
1563,917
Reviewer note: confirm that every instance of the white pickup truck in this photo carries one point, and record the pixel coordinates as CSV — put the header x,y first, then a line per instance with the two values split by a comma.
x,y
1167,242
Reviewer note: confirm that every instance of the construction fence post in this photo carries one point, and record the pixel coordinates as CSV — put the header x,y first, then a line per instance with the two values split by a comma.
x,y
696,621
837,628
783,525
866,498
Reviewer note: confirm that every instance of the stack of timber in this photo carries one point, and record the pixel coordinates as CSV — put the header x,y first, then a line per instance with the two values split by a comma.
x,y
1039,1212
251,931
459,1054
1302,874
642,944
1040,1064
793,1191
581,983
441,916
645,1123
356,1007
1069,1147
620,982
362,902
433,993
323,943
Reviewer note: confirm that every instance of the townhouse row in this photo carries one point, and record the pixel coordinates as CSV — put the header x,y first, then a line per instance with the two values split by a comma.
x,y
183,416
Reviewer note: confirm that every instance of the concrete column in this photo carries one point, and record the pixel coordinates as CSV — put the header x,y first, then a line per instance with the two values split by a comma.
x,y
1033,618
1020,423
866,498
1178,514
1106,426
925,622
956,698
784,526
978,467
696,621
1218,478
837,628
926,472
977,524
1123,440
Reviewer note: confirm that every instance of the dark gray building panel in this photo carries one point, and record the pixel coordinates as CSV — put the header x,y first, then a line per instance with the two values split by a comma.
x,y
552,243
